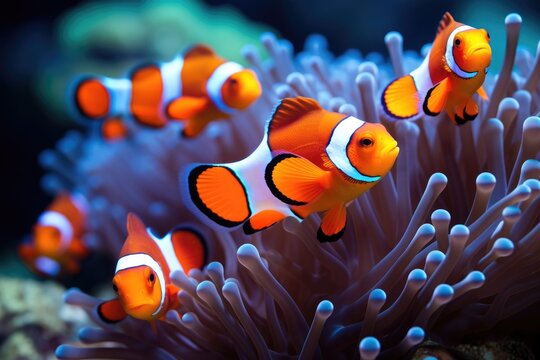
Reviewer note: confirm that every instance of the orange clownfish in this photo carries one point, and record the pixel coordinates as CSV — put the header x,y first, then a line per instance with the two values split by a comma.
x,y
57,245
447,79
142,280
310,160
198,87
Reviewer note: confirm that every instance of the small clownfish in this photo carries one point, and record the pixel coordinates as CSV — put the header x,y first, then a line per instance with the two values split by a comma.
x,y
198,87
451,73
57,245
142,273
310,160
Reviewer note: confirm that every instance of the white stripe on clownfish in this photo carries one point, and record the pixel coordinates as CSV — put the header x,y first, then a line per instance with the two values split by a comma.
x,y
120,93
140,259
216,81
449,55
61,223
171,75
337,148
167,250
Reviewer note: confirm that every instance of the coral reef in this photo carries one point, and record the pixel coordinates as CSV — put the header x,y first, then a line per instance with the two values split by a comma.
x,y
34,320
444,247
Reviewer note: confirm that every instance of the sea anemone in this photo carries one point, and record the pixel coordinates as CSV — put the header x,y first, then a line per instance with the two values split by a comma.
x,y
447,245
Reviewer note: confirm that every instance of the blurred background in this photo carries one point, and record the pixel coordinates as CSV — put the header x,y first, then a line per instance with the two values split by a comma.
x,y
45,43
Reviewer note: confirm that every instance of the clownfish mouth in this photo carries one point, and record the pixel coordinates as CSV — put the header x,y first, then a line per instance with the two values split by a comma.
x,y
138,306
391,148
482,48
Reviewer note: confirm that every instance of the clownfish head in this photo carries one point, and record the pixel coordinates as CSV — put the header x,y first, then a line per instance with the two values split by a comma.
x,y
139,279
241,89
140,291
372,150
468,51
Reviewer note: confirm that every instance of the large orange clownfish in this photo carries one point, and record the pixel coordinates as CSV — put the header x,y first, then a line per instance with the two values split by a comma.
x,y
142,280
57,241
197,87
447,79
310,160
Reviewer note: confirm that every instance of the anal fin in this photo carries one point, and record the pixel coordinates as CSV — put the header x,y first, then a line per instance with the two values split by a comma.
x,y
333,224
262,220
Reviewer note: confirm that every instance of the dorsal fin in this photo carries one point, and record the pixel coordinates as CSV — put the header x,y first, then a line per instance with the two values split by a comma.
x,y
199,50
446,20
290,109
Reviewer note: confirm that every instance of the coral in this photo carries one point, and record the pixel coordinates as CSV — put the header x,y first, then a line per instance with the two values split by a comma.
x,y
33,319
444,247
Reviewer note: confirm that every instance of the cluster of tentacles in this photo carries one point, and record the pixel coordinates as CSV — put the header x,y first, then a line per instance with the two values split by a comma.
x,y
446,245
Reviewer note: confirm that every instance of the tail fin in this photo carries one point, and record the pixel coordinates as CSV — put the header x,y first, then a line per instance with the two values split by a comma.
x,y
218,193
400,99
190,247
98,98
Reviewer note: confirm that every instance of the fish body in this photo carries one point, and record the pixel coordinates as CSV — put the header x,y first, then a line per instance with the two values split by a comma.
x,y
452,72
57,240
197,87
142,276
310,160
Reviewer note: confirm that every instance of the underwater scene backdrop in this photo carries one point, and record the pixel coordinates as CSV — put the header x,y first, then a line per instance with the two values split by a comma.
x,y
435,257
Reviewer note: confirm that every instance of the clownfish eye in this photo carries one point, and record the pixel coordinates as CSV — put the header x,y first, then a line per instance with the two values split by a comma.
x,y
151,278
233,82
457,42
115,288
366,142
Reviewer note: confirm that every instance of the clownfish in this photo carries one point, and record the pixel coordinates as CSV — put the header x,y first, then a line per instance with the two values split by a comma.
x,y
57,245
197,87
310,160
447,79
142,273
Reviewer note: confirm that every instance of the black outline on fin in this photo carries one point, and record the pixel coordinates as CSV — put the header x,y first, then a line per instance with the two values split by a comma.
x,y
425,106
383,103
103,318
322,237
270,183
201,237
196,199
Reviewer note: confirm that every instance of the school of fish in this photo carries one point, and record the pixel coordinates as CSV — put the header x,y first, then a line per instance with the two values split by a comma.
x,y
310,160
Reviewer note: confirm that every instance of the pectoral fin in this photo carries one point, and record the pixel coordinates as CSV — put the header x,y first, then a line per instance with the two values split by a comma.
x,y
436,98
482,93
333,224
111,311
186,107
295,180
